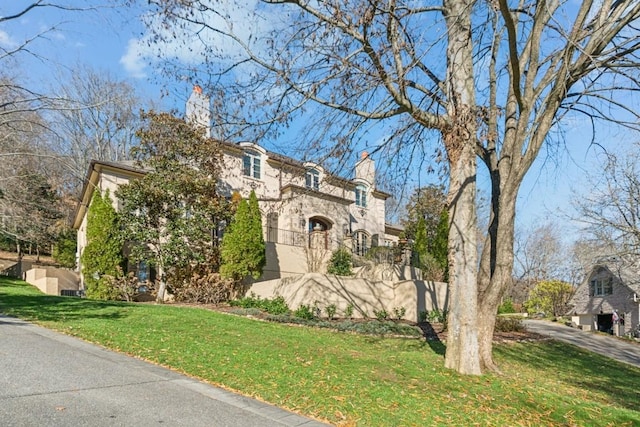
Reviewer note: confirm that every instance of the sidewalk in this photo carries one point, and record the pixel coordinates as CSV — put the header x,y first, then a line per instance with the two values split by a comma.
x,y
606,345
50,379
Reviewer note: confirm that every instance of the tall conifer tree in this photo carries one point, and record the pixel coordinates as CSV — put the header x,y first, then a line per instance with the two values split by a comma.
x,y
103,253
243,248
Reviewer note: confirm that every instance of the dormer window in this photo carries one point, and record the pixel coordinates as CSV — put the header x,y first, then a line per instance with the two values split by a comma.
x,y
361,196
312,179
601,287
251,164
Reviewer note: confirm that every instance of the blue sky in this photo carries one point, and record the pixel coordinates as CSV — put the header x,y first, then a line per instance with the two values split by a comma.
x,y
113,40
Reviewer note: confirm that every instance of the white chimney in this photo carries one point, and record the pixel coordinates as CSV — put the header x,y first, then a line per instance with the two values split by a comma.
x,y
366,168
198,110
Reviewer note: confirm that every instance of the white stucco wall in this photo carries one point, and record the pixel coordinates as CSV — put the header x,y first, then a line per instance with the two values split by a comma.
x,y
366,296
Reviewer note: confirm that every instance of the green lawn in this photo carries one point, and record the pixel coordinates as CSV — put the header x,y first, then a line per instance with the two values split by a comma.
x,y
349,379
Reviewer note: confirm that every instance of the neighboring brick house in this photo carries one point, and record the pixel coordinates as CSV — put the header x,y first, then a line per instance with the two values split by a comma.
x,y
303,206
610,286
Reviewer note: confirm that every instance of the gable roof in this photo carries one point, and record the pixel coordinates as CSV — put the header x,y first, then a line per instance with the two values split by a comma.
x,y
627,272
96,167
626,276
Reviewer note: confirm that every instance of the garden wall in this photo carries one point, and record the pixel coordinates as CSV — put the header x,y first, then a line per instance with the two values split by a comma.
x,y
365,295
52,281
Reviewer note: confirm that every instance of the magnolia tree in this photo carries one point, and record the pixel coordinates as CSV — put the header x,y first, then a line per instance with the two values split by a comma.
x,y
491,79
168,216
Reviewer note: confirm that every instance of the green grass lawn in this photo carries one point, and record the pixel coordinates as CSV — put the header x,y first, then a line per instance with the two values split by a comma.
x,y
349,379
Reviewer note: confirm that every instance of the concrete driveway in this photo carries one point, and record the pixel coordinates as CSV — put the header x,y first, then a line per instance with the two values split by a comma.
x,y
50,379
607,345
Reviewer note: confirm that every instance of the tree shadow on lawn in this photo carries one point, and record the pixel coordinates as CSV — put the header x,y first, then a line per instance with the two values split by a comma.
x,y
52,308
432,338
581,368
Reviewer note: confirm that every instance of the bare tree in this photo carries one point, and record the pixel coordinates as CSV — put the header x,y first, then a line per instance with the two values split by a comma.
x,y
493,79
95,119
584,253
540,253
29,208
26,97
611,208
31,175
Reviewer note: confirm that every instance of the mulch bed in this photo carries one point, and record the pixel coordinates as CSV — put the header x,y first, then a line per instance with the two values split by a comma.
x,y
436,332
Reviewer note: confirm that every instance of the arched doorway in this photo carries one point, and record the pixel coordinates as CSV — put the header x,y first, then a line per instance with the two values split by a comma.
x,y
319,229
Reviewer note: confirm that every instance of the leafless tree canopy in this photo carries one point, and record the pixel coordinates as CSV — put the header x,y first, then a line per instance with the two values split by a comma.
x,y
90,117
611,208
95,118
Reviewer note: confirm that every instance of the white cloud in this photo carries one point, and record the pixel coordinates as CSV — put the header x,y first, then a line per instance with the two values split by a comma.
x,y
134,59
6,40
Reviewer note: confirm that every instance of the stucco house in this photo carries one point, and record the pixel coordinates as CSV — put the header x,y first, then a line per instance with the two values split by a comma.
x,y
611,286
303,206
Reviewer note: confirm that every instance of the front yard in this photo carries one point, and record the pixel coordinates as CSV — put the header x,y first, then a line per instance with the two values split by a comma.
x,y
344,378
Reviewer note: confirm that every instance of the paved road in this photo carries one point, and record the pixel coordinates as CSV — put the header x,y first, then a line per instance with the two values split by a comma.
x,y
613,347
50,379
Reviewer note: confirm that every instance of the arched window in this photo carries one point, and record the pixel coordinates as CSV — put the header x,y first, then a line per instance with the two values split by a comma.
x,y
361,243
251,164
312,179
361,196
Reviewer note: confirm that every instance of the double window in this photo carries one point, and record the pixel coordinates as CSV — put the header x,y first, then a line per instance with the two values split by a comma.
x,y
601,287
251,164
361,196
312,179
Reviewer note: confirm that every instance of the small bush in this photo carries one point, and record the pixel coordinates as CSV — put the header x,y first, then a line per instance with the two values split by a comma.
x,y
340,263
348,312
381,314
506,307
64,251
437,316
305,312
331,311
275,305
121,286
250,301
509,324
399,312
422,316
208,288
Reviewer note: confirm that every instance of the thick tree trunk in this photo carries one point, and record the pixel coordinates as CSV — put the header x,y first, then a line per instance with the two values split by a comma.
x,y
460,139
495,269
462,339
